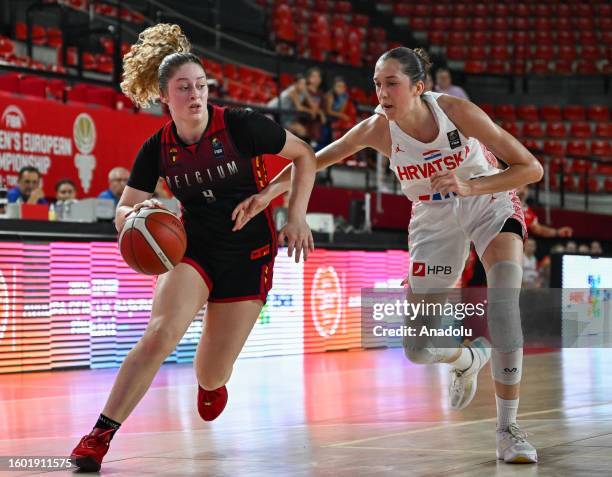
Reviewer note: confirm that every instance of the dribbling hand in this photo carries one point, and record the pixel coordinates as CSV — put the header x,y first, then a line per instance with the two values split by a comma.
x,y
150,204
299,239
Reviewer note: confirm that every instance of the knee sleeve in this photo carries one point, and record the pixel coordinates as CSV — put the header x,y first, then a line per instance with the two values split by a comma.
x,y
504,317
507,368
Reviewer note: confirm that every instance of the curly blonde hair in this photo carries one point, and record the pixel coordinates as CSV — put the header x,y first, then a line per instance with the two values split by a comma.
x,y
144,74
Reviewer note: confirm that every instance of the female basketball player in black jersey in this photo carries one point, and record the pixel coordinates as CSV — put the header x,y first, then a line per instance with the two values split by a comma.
x,y
211,159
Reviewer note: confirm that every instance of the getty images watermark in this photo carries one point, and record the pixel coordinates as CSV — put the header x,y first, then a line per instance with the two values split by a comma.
x,y
427,319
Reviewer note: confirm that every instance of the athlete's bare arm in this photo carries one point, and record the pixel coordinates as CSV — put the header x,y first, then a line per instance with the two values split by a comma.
x,y
474,122
372,132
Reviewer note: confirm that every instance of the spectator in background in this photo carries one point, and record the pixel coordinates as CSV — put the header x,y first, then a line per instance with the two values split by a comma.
x,y
530,265
334,105
571,247
533,225
584,249
294,99
557,248
117,180
314,78
28,190
596,248
65,189
444,84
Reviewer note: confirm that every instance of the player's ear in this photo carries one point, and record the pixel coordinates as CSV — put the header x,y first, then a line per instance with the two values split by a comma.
x,y
163,97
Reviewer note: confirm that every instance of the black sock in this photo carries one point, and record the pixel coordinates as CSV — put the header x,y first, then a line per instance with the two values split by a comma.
x,y
107,423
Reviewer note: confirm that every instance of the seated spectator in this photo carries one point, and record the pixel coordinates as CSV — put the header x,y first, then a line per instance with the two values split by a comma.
x,y
595,248
557,248
530,265
334,104
444,84
292,100
117,180
65,190
571,247
28,190
314,79
584,248
534,227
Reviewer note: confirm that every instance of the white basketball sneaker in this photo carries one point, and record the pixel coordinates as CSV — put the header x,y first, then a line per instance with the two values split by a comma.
x,y
464,382
513,448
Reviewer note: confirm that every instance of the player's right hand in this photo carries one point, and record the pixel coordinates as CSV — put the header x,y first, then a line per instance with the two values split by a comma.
x,y
565,232
150,204
247,209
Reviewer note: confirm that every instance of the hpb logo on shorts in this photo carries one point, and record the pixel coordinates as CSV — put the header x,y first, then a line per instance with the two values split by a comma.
x,y
420,269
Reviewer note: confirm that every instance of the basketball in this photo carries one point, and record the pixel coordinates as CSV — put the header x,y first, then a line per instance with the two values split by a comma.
x,y
153,241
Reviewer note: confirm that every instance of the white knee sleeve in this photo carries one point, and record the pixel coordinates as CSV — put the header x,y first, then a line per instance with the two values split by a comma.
x,y
504,317
507,368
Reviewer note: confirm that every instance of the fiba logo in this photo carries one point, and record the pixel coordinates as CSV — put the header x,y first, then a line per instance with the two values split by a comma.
x,y
326,301
4,305
13,117
84,133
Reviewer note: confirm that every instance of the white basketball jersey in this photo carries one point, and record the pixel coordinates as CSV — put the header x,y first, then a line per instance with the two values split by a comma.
x,y
414,162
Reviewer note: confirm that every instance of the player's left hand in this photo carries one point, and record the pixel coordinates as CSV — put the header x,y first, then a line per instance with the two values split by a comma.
x,y
445,182
299,238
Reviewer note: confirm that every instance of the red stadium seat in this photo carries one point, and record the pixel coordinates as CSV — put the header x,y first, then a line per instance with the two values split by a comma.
x,y
608,184
604,10
567,53
477,53
520,9
521,52
21,31
584,23
475,67
460,10
480,24
512,127
554,148
360,20
499,23
527,112
499,38
542,10
563,67
564,24
588,37
456,52
543,24
550,113
598,112
580,166
437,37
77,93
563,10
556,129
601,148
378,34
519,67
419,23
54,37
439,24
558,164
457,37
539,67
403,9
583,10
421,10
591,52
603,130
7,47
566,38
544,38
593,184
488,108
498,67
499,52
500,10
102,96
480,10
322,6
577,148
544,52
531,144
505,112
440,10
574,112
460,24
343,7
580,130
587,67
533,130
520,38
480,38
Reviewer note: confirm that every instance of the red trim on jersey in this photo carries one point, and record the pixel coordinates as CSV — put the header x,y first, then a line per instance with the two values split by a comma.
x,y
260,175
518,212
489,156
200,270
218,121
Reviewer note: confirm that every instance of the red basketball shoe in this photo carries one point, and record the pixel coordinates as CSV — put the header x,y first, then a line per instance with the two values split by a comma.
x,y
211,403
88,454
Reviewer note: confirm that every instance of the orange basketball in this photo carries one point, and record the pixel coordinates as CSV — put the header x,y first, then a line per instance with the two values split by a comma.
x,y
153,241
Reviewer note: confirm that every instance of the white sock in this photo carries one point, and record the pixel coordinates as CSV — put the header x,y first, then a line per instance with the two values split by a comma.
x,y
506,412
464,361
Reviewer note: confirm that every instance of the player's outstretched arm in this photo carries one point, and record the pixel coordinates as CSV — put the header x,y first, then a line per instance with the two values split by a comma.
x,y
474,122
372,132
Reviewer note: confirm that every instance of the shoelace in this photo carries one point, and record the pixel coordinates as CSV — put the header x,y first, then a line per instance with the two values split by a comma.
x,y
517,434
90,441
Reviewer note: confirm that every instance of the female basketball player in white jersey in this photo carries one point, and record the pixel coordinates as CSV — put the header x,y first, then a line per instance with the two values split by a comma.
x,y
439,148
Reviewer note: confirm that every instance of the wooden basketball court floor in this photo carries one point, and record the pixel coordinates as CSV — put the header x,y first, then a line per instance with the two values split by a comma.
x,y
361,413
